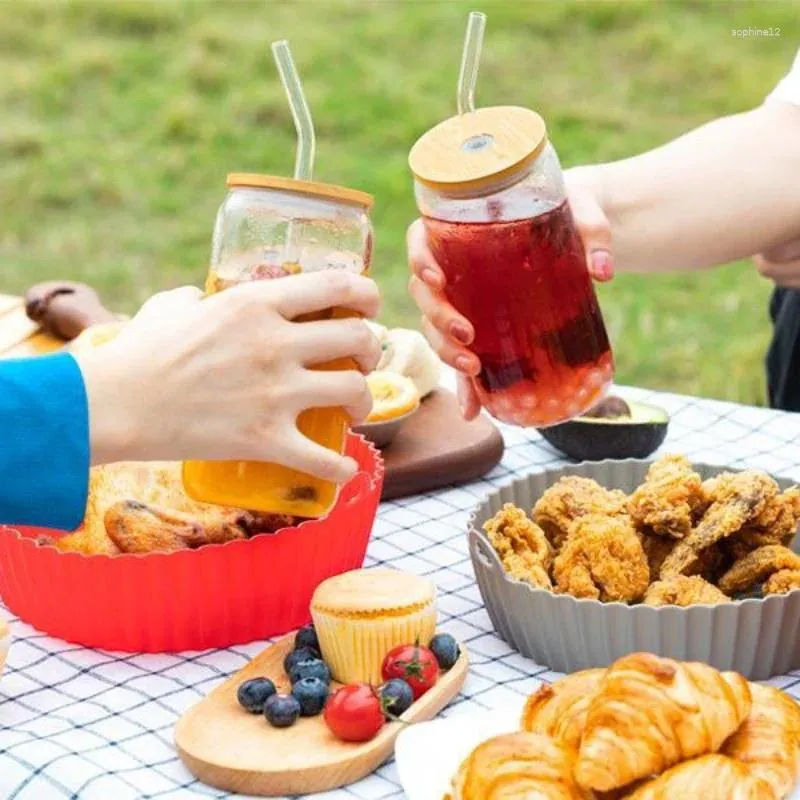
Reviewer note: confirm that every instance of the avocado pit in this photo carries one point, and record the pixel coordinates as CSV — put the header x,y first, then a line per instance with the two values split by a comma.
x,y
613,429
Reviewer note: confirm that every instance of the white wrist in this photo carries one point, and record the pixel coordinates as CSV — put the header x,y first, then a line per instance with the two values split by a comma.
x,y
112,424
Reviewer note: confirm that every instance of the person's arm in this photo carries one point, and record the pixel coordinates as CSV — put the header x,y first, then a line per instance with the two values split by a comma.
x,y
724,191
223,378
44,442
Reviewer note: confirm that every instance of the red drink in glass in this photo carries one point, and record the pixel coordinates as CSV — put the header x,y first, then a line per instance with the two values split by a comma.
x,y
539,334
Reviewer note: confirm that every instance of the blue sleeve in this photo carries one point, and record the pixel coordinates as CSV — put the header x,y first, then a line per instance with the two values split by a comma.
x,y
44,442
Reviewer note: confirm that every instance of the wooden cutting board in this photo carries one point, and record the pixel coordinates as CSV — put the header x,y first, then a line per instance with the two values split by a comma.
x,y
224,746
437,448
19,336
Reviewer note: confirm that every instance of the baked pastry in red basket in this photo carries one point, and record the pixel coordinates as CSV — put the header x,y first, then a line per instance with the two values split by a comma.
x,y
153,571
141,507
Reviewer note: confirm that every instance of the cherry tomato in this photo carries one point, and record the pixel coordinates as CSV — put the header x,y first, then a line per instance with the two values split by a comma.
x,y
354,713
414,664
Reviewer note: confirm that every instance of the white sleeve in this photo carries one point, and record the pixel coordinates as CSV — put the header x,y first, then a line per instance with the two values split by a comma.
x,y
788,90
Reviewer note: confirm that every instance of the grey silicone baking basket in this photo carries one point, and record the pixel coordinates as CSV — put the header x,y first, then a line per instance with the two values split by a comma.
x,y
757,637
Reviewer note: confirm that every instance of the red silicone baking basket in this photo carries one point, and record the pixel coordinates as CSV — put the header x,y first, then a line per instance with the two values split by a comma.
x,y
215,596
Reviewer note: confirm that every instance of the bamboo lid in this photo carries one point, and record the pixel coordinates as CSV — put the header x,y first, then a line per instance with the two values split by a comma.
x,y
475,149
327,191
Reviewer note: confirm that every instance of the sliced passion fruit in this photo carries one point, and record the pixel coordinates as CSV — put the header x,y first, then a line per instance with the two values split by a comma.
x,y
612,429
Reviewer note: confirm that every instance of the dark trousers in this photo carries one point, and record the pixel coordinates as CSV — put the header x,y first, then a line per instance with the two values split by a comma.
x,y
783,357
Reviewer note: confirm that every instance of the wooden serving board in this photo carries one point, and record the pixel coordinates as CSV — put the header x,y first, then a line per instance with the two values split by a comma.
x,y
225,747
437,447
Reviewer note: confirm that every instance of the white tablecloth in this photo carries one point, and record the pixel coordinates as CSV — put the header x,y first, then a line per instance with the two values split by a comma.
x,y
78,723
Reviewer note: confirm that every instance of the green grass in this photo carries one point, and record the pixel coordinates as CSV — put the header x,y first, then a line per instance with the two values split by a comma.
x,y
120,120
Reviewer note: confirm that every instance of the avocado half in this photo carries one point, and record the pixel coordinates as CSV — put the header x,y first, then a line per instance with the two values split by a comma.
x,y
613,429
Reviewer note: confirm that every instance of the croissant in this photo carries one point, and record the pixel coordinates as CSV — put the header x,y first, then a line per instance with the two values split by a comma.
x,y
652,713
769,740
560,710
518,766
712,777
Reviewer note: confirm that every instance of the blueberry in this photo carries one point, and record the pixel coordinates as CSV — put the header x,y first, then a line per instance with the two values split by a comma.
x,y
396,698
310,668
311,693
282,710
307,637
446,650
254,693
296,656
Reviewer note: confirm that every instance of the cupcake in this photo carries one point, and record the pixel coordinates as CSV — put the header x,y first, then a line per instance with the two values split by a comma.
x,y
5,642
361,615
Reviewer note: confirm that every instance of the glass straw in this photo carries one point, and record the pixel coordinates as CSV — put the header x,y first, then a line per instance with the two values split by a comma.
x,y
306,142
304,125
470,61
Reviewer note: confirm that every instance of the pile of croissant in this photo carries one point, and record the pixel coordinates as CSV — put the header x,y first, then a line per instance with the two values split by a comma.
x,y
646,728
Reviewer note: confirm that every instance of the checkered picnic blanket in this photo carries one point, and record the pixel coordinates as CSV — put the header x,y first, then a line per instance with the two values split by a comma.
x,y
93,725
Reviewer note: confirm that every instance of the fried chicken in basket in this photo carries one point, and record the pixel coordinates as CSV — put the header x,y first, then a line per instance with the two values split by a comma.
x,y
781,582
521,545
682,590
603,559
571,498
758,566
675,541
738,500
140,507
670,499
776,525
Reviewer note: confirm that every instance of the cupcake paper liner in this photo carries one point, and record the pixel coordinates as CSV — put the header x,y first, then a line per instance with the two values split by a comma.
x,y
355,648
758,637
212,597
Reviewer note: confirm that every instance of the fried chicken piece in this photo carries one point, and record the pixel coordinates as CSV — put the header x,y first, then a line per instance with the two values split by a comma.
x,y
681,590
656,548
782,582
737,500
777,524
571,498
746,540
603,559
792,499
781,515
709,564
521,545
758,566
671,495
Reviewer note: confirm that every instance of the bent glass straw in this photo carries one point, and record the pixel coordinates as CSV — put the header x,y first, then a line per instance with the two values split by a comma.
x,y
470,62
301,114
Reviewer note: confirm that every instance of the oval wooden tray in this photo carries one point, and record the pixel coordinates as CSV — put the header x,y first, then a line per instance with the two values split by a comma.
x,y
224,746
